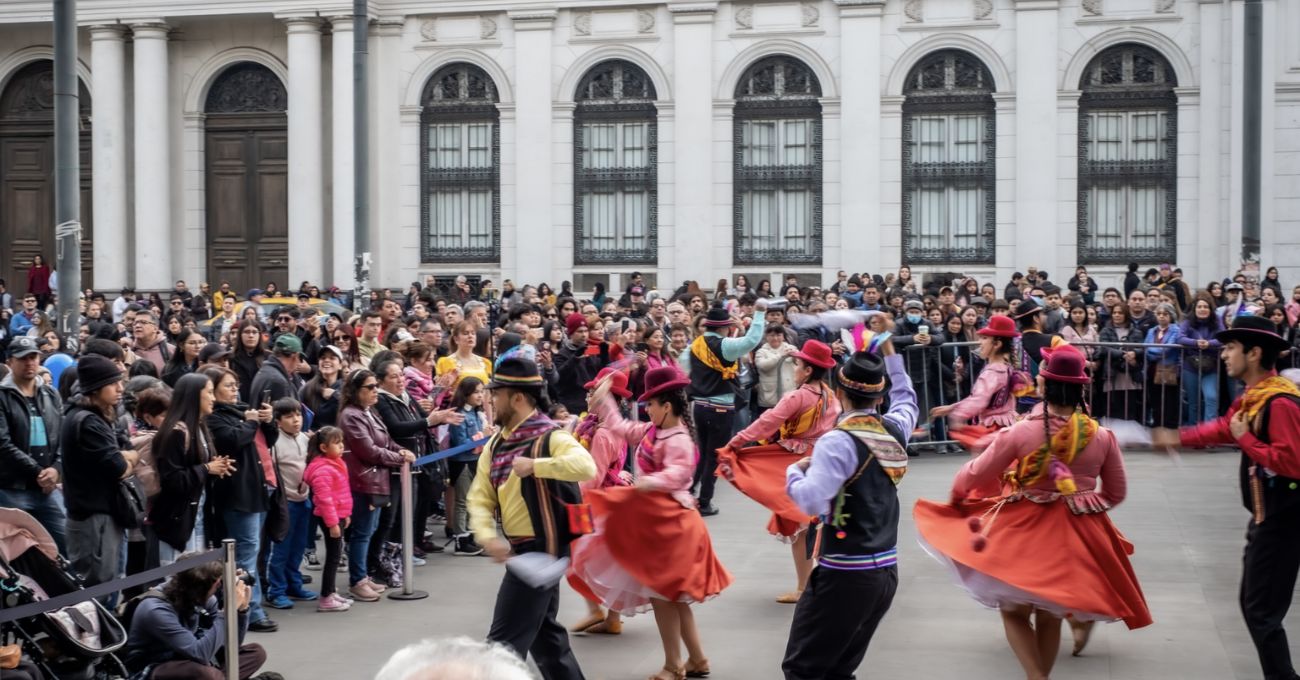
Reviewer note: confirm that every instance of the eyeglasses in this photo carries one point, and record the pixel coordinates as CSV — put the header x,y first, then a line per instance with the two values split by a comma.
x,y
552,316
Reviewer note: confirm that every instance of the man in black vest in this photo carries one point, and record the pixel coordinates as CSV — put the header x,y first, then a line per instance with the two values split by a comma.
x,y
1265,422
713,364
528,473
850,482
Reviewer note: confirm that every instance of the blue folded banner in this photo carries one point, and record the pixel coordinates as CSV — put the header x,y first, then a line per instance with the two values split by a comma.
x,y
463,448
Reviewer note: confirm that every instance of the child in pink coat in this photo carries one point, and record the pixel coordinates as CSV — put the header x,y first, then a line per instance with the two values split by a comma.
x,y
327,475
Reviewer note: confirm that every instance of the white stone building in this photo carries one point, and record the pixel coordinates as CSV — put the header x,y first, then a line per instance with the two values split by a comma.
x,y
549,140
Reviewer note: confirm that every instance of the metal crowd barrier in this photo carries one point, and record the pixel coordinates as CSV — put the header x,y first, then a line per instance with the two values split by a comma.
x,y
931,378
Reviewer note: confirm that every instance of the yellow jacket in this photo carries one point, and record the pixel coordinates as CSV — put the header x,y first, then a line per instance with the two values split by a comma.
x,y
568,462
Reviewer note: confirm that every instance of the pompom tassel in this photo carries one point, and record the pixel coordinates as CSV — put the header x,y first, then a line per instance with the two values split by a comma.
x,y
978,543
1064,479
975,524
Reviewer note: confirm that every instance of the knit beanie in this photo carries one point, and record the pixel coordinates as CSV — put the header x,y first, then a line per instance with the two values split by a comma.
x,y
94,372
573,322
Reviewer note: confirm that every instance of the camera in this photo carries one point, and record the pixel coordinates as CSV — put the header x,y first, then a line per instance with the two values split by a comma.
x,y
246,578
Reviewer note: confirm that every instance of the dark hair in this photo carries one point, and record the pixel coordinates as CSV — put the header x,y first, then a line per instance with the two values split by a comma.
x,y
679,403
352,386
184,418
105,348
285,406
142,367
326,435
1071,395
152,401
177,359
188,590
259,351
468,385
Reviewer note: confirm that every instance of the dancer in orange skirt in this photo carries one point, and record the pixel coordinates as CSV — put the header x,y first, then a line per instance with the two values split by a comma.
x,y
609,450
1045,548
793,425
651,548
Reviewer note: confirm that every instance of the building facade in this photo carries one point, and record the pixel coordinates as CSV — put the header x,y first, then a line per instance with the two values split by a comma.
x,y
581,140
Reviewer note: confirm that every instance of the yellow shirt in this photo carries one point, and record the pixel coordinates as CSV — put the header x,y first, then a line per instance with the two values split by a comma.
x,y
568,462
483,371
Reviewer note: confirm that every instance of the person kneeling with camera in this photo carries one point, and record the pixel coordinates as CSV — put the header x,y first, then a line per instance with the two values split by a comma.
x,y
178,631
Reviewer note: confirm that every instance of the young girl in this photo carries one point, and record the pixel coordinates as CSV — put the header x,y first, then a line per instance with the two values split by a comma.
x,y
467,401
328,478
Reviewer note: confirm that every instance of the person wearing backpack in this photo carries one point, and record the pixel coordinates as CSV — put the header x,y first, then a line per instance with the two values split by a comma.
x,y
1265,422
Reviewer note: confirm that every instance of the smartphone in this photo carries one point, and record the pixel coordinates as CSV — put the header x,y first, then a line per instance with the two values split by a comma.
x,y
266,396
546,345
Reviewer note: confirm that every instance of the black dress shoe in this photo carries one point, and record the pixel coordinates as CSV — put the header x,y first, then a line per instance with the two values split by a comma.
x,y
708,510
264,626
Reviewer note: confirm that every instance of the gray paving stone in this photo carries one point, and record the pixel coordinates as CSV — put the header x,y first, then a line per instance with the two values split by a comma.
x,y
1185,519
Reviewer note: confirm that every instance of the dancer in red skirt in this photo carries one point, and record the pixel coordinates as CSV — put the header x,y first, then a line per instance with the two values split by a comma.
x,y
651,548
794,425
1045,548
609,450
991,404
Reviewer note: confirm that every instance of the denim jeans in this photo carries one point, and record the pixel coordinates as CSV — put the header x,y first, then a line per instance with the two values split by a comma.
x,y
1200,397
246,529
364,521
47,508
283,576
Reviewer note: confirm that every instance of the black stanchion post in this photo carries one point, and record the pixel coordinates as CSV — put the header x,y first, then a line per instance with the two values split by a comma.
x,y
407,518
232,612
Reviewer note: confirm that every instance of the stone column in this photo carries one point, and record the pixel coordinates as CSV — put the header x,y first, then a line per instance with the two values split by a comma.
x,y
533,35
108,71
858,249
394,245
1211,243
153,171
692,241
1037,237
306,187
342,205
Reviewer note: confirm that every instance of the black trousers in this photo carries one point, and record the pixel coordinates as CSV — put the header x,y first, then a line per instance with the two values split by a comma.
x,y
524,619
713,425
834,621
1269,567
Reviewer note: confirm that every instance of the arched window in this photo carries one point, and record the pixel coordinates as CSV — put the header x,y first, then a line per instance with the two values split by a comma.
x,y
615,166
1128,171
460,150
777,166
949,161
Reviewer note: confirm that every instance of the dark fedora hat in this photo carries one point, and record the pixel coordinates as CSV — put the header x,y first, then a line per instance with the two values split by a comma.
x,y
517,373
1255,331
863,375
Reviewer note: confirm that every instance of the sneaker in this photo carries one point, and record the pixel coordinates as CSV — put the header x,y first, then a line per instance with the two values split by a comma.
x,y
264,626
428,546
304,595
418,561
307,579
466,547
333,603
312,563
708,510
363,592
378,588
279,602
343,563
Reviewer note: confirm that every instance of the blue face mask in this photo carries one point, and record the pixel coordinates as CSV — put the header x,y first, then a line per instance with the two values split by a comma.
x,y
914,318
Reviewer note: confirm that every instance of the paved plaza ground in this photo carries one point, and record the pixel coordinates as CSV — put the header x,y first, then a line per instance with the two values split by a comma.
x,y
1185,519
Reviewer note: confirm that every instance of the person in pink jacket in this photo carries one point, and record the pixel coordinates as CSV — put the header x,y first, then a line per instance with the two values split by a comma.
x,y
327,476
793,426
609,450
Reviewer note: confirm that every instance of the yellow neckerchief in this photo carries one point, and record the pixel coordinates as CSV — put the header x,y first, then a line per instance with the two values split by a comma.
x,y
1066,443
1252,402
806,420
701,352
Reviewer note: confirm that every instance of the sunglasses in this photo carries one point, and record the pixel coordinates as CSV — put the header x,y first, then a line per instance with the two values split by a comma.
x,y
370,386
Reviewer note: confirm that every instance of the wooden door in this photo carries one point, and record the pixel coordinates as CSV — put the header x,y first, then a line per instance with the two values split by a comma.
x,y
247,153
27,176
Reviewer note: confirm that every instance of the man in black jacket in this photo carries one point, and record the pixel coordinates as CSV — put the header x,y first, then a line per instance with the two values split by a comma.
x,y
30,461
278,374
575,367
96,457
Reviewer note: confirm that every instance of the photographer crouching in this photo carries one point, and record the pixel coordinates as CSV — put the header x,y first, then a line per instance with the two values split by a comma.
x,y
178,632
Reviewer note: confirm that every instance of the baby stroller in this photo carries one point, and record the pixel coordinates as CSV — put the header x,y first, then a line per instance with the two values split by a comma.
x,y
73,643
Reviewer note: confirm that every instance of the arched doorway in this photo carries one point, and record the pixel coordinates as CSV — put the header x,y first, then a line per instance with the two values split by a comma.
x,y
247,156
27,174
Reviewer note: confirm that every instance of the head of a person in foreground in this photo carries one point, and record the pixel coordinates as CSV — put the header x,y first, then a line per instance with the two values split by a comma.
x,y
457,658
